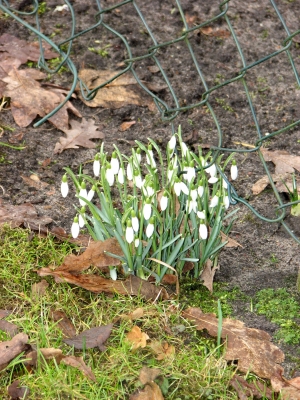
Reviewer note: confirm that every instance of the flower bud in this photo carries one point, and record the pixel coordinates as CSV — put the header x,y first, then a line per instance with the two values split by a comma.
x,y
64,188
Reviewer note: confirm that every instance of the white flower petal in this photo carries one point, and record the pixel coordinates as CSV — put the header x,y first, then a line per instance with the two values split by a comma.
x,y
115,165
83,193
226,202
90,194
149,230
135,223
184,188
129,172
80,221
121,176
129,234
214,201
203,233
64,188
200,215
163,203
110,177
172,143
147,210
213,179
200,191
75,229
234,172
113,273
96,167
177,188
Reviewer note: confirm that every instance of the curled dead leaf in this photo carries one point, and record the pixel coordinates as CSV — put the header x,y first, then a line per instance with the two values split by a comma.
x,y
137,338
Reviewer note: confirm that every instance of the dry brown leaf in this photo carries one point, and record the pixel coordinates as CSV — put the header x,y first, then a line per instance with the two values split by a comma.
x,y
39,289
9,327
63,322
78,362
94,337
5,313
95,255
136,314
12,348
207,275
230,242
289,389
29,99
284,162
126,125
262,183
24,214
15,391
148,374
118,93
24,51
97,284
33,182
250,347
162,350
42,355
80,134
151,391
247,390
209,31
137,338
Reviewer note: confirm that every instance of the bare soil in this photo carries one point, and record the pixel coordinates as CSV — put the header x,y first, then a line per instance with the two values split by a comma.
x,y
268,258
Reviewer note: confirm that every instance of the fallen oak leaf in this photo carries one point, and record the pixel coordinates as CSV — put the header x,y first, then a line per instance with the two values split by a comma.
x,y
137,338
208,273
94,337
12,348
280,181
126,125
250,347
162,350
80,134
15,391
41,355
63,322
9,328
151,391
78,362
39,289
148,374
97,284
284,162
118,93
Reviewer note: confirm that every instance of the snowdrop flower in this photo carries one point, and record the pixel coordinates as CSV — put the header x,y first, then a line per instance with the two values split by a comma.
x,y
136,242
194,193
179,187
91,193
172,170
184,149
203,233
83,193
200,188
214,201
109,175
191,206
172,144
96,165
134,221
150,228
113,273
184,188
137,179
234,170
190,172
138,155
129,234
80,217
75,228
150,157
149,189
212,170
200,215
225,184
164,201
213,179
121,174
129,171
115,164
64,187
147,209
226,202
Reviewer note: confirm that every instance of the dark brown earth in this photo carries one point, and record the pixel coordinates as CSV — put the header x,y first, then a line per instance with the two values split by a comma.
x,y
275,97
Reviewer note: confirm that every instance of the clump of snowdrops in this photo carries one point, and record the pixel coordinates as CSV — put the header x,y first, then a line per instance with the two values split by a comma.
x,y
167,209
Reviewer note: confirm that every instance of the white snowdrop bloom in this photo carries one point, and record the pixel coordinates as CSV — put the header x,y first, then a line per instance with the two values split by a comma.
x,y
150,157
191,206
109,175
91,193
177,187
212,170
225,185
114,163
136,242
184,188
190,174
201,215
83,193
234,170
129,233
214,201
137,179
226,202
171,145
200,190
134,221
129,172
149,190
164,202
147,209
203,233
138,155
150,228
80,221
64,187
113,273
213,179
184,149
96,165
194,193
121,176
75,228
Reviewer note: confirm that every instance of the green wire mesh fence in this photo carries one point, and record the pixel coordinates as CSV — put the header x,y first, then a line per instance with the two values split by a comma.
x,y
171,108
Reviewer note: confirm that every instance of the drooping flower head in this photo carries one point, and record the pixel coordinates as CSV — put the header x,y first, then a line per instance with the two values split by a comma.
x,y
64,188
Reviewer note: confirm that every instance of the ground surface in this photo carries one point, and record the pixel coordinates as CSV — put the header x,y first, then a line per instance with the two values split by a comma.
x,y
268,258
